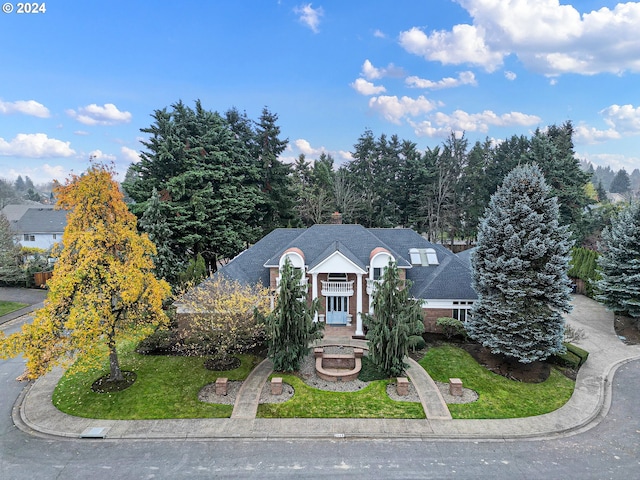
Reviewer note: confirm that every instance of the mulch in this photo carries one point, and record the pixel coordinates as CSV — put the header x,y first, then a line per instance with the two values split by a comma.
x,y
627,329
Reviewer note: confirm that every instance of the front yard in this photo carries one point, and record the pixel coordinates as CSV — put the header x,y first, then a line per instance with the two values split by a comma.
x,y
168,386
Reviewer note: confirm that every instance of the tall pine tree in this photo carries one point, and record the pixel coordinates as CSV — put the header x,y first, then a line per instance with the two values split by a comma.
x,y
396,318
290,327
520,270
620,263
154,223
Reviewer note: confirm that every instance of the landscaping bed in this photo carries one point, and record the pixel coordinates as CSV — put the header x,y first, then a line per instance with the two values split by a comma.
x,y
627,329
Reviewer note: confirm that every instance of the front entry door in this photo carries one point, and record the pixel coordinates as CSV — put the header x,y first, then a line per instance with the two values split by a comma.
x,y
337,308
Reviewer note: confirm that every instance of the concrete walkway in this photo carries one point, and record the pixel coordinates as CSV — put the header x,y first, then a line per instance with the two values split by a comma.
x,y
248,397
589,403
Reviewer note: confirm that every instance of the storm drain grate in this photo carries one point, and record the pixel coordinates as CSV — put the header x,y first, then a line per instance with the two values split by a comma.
x,y
95,432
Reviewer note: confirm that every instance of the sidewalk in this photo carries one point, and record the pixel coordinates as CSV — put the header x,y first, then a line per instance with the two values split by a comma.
x,y
589,403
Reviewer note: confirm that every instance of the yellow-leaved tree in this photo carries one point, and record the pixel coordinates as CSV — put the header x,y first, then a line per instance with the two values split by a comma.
x,y
102,290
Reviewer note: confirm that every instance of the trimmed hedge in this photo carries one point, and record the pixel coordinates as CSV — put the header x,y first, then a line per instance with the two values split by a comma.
x,y
574,357
578,352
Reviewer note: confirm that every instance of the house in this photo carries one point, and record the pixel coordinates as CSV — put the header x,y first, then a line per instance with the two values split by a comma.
x,y
36,226
342,265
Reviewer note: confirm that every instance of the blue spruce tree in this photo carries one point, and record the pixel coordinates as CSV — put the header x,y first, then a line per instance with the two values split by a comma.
x,y
520,270
620,263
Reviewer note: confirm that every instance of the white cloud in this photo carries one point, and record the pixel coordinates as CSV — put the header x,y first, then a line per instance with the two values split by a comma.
x,y
460,121
379,34
367,88
394,109
130,155
42,174
81,133
26,107
509,75
545,36
310,16
35,145
344,155
305,147
623,118
100,155
464,78
464,44
615,161
583,134
93,114
373,73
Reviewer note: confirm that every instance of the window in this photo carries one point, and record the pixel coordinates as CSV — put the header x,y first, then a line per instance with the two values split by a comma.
x,y
377,273
423,256
337,277
460,310
432,258
29,238
55,236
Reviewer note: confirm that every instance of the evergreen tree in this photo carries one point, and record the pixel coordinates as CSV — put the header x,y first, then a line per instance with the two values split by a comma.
x,y
207,179
10,265
520,270
154,223
290,327
621,182
19,184
620,263
396,318
601,192
8,194
278,208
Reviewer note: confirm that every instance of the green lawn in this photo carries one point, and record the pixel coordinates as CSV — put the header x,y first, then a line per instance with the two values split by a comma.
x,y
166,387
499,396
370,402
8,307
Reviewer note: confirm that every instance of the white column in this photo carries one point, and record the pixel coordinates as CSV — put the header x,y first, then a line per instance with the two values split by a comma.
x,y
359,306
314,291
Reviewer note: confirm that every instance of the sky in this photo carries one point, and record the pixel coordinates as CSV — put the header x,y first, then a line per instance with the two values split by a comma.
x,y
78,80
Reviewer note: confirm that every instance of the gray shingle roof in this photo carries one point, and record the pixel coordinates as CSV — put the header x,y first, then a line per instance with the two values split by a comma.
x,y
41,220
451,279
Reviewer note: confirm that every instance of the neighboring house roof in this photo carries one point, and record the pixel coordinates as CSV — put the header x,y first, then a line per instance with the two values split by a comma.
x,y
15,212
41,220
451,279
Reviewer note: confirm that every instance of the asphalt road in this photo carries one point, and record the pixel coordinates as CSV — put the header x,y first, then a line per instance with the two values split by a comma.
x,y
611,449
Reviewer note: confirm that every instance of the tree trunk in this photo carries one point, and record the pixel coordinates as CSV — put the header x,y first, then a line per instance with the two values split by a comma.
x,y
114,366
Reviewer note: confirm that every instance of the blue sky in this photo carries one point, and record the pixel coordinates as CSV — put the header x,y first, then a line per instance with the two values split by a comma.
x,y
83,78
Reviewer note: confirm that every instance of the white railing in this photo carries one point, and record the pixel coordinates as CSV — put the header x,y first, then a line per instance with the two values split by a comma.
x,y
341,289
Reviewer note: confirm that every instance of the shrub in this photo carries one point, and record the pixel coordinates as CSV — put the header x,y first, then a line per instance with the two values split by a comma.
x,y
416,342
578,352
566,359
451,326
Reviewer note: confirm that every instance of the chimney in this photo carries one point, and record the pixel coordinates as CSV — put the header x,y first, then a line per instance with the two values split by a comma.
x,y
336,218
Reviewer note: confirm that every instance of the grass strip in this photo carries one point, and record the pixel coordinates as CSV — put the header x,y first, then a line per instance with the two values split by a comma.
x,y
8,307
499,397
166,387
370,402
